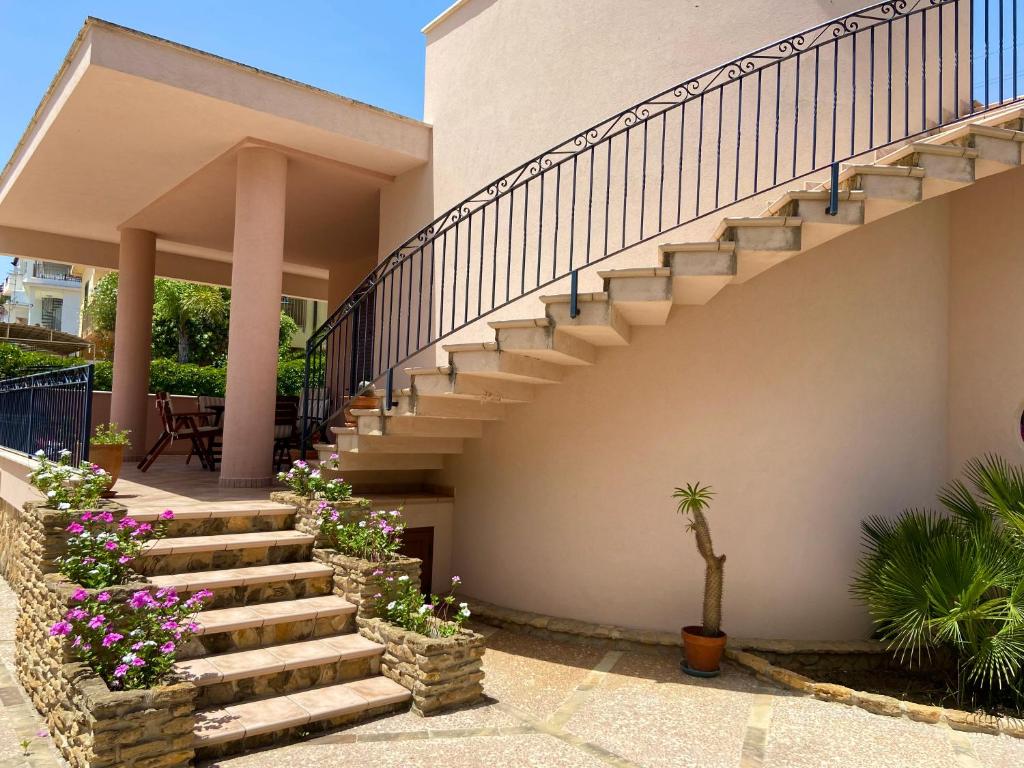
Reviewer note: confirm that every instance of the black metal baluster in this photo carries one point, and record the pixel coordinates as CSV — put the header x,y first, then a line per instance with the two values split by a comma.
x,y
796,114
739,139
469,263
835,95
700,152
590,192
682,144
888,29
526,218
643,188
572,214
814,118
480,277
778,99
718,147
871,90
757,135
508,266
661,183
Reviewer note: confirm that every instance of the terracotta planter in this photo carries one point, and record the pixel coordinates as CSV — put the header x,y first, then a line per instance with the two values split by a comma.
x,y
109,458
702,655
359,402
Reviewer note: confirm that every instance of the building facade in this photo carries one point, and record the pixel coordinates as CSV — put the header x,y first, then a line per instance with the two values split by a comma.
x,y
790,277
43,293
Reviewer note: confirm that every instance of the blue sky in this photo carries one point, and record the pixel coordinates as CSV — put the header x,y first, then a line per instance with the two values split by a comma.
x,y
365,49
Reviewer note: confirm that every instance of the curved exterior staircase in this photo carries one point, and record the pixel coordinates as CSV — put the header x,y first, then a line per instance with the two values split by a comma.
x,y
446,405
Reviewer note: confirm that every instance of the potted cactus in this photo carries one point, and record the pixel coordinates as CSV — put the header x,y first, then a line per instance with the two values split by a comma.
x,y
703,645
106,450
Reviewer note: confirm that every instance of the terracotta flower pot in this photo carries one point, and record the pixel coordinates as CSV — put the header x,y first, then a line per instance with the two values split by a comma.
x,y
359,402
108,458
702,655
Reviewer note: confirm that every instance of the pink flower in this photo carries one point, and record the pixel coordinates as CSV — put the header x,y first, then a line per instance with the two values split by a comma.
x,y
138,646
105,517
111,638
142,599
167,515
76,614
127,522
110,546
120,670
79,595
61,628
88,560
137,662
167,647
378,572
74,528
169,625
86,517
103,597
97,621
124,559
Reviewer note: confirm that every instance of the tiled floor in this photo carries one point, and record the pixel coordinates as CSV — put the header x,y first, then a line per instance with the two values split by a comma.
x,y
171,484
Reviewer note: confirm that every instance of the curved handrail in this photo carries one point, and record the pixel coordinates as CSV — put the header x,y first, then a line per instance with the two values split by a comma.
x,y
900,43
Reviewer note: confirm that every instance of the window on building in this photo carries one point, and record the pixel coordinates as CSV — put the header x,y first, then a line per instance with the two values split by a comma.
x,y
295,309
52,309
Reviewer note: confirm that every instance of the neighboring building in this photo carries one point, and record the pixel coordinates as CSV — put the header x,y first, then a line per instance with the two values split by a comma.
x,y
43,293
564,335
307,314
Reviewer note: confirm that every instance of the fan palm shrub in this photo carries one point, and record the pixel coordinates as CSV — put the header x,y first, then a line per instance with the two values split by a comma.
x,y
955,580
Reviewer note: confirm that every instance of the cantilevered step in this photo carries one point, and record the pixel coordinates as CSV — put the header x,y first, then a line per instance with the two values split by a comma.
x,y
946,167
354,461
599,322
348,439
259,662
642,295
999,148
887,188
699,270
445,381
487,360
811,207
370,696
418,426
541,339
761,242
229,541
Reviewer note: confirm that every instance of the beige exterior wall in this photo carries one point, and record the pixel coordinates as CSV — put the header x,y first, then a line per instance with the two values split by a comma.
x,y
809,398
986,345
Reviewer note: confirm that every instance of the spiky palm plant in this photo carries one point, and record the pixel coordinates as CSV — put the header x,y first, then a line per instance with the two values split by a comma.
x,y
955,580
694,501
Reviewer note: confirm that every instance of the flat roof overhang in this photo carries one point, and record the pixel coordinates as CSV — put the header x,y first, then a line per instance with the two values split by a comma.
x,y
139,131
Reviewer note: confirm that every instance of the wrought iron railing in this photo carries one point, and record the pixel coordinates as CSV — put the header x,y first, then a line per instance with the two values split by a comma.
x,y
47,271
794,108
48,411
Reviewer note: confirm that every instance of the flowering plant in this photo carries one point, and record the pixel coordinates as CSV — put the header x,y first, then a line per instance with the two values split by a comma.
x,y
130,644
331,462
402,604
100,552
306,481
110,434
376,537
65,486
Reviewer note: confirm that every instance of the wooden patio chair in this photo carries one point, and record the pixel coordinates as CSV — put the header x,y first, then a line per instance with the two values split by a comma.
x,y
181,426
286,433
211,414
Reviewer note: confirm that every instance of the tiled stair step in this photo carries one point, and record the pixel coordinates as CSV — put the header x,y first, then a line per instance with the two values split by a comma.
x,y
221,620
184,545
360,699
259,662
233,587
221,520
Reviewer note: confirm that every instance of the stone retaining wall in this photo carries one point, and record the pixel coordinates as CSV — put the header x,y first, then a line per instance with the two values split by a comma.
x,y
442,673
306,510
354,579
91,725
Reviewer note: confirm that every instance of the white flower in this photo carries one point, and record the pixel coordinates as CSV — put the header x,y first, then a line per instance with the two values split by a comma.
x,y
423,609
403,578
40,452
65,452
463,605
63,505
362,523
391,605
51,494
464,613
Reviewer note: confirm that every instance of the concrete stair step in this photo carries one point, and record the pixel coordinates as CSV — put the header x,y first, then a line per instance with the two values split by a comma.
x,y
259,662
947,167
699,270
241,721
888,189
643,296
242,577
488,361
405,444
541,339
448,408
599,321
229,541
355,461
761,242
443,381
420,426
220,620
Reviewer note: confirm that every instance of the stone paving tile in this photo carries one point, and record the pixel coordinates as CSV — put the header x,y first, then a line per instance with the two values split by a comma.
x,y
535,676
997,751
647,711
807,733
517,751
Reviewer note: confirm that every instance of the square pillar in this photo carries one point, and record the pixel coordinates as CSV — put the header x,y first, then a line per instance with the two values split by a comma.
x,y
133,335
256,276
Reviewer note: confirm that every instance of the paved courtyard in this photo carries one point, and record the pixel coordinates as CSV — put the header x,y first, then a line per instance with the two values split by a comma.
x,y
552,705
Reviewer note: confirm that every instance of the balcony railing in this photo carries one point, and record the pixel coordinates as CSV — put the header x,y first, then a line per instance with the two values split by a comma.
x,y
48,411
797,107
44,271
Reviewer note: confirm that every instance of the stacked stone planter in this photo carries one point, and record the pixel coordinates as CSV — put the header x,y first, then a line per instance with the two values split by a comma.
x,y
441,672
91,725
355,581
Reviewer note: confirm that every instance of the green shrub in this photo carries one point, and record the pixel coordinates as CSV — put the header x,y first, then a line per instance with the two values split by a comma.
x,y
955,581
290,377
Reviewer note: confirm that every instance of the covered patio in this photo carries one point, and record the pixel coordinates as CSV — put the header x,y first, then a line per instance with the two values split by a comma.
x,y
159,160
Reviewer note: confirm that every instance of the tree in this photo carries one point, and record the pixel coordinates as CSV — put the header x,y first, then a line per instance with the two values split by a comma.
x,y
183,304
694,501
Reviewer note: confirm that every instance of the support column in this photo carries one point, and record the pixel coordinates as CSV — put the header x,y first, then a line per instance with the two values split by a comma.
x,y
133,335
256,270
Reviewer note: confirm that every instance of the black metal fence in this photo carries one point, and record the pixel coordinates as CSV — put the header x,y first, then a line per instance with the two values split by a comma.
x,y
874,77
48,411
